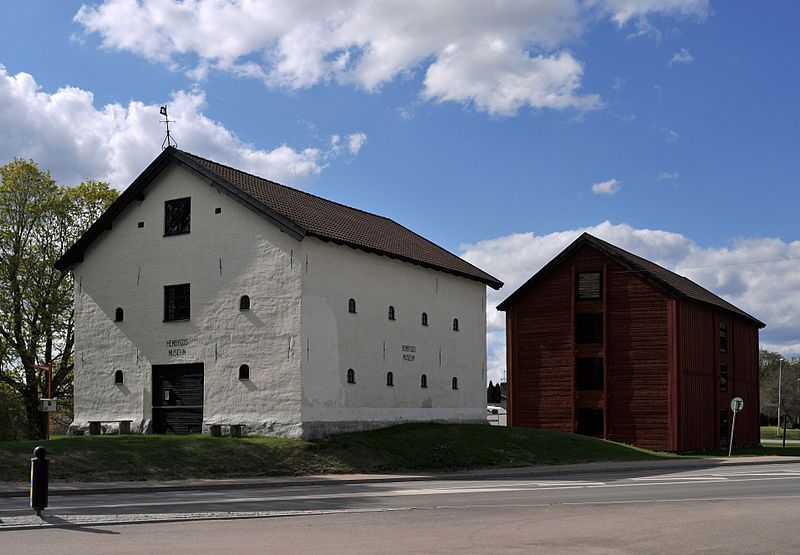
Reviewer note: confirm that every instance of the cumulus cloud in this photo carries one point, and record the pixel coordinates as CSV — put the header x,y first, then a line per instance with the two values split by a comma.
x,y
499,80
498,56
65,132
609,187
759,275
681,57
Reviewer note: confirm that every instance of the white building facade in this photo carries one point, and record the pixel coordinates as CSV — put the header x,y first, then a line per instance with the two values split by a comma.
x,y
206,296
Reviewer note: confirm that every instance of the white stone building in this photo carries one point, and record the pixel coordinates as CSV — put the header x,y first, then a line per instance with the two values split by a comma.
x,y
208,296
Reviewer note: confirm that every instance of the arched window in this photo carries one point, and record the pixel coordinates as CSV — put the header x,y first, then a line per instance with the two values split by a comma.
x,y
455,324
424,318
244,372
455,383
423,381
244,303
119,378
351,306
119,314
389,379
351,376
391,313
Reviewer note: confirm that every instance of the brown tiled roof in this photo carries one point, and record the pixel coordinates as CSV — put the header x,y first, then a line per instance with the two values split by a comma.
x,y
301,213
673,284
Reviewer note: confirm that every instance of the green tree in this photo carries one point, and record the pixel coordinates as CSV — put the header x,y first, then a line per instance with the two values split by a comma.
x,y
39,220
770,369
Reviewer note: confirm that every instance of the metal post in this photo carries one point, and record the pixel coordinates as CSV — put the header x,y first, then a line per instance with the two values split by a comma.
x,y
39,477
784,429
733,427
780,369
49,394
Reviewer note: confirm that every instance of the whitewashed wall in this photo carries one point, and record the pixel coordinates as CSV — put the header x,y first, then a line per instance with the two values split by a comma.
x,y
128,267
368,342
298,324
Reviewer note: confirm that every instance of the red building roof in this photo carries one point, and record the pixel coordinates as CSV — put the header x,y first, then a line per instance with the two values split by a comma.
x,y
671,283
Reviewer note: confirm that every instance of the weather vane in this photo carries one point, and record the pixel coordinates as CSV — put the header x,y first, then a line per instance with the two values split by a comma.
x,y
168,140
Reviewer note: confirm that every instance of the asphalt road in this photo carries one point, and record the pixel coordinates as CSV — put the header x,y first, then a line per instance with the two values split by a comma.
x,y
737,509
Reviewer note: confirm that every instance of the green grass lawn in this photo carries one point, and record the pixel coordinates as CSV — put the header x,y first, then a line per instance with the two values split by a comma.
x,y
409,447
768,432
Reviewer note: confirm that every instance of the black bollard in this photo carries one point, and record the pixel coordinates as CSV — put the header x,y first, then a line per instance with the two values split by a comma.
x,y
39,477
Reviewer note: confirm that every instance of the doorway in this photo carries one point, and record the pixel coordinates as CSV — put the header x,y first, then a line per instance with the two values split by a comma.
x,y
178,398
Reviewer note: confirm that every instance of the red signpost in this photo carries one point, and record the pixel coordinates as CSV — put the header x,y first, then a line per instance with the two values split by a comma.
x,y
49,369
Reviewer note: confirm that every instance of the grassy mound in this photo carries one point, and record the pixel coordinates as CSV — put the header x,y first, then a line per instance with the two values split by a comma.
x,y
409,447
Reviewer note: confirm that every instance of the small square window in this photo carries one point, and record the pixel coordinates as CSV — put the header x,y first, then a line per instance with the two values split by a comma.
x,y
589,374
723,377
176,302
140,225
589,328
217,210
589,285
177,216
590,422
723,337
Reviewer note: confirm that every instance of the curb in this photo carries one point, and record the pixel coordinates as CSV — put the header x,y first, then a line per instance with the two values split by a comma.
x,y
525,472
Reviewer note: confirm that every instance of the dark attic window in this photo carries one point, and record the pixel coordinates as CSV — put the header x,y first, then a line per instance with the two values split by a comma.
x,y
244,372
140,225
176,302
589,328
119,314
177,216
244,303
589,285
351,306
217,210
119,378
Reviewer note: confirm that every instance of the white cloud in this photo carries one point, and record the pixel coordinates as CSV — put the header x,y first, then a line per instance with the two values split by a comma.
x,y
681,57
623,11
760,275
498,56
356,141
609,187
64,132
670,135
499,80
668,176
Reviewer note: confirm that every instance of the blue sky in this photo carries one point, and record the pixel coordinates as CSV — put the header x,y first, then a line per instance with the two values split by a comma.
x,y
484,132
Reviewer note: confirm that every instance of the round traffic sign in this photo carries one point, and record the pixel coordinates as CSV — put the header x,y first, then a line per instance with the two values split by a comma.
x,y
737,404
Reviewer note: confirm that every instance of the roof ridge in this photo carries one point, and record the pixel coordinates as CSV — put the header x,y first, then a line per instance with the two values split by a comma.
x,y
285,186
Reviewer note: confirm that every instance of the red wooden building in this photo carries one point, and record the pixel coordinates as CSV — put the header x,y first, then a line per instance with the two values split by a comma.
x,y
605,343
